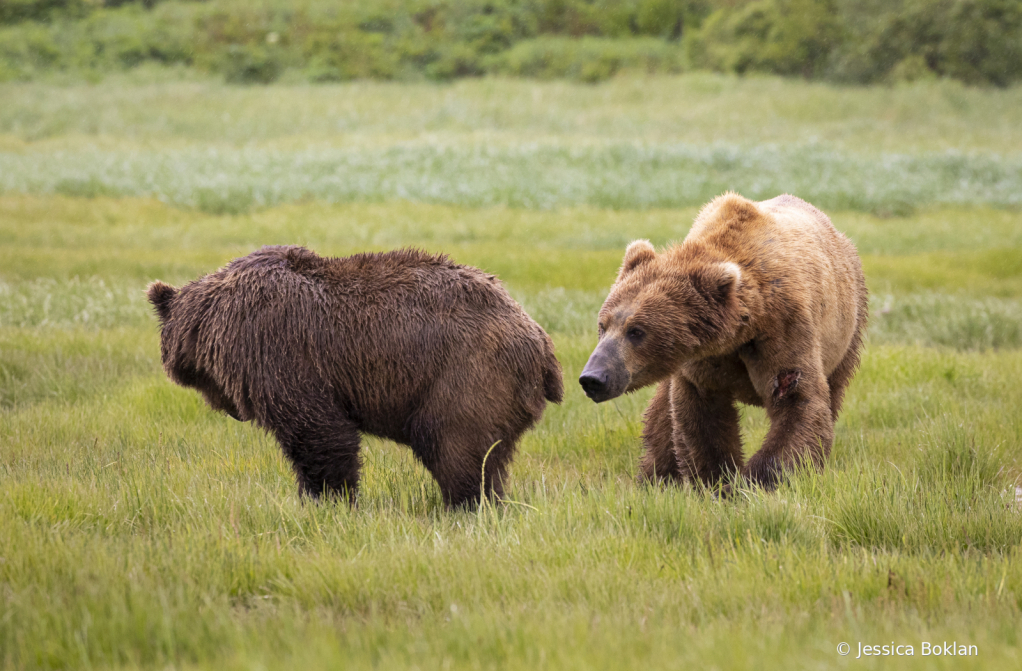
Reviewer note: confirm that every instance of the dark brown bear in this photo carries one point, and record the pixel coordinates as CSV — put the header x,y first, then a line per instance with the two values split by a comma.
x,y
762,303
403,345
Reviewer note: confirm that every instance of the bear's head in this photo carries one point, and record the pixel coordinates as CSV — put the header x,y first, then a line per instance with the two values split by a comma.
x,y
663,310
179,347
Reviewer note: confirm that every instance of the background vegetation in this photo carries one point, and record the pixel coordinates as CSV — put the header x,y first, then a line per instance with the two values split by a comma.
x,y
140,530
630,143
258,41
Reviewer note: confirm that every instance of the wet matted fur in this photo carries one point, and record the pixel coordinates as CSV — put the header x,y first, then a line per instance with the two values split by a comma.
x,y
403,345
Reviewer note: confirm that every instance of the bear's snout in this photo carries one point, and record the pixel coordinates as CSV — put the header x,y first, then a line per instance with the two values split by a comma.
x,y
605,376
593,385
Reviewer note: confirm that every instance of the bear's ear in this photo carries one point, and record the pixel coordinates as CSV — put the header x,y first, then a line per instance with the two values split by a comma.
x,y
638,252
717,282
734,207
160,295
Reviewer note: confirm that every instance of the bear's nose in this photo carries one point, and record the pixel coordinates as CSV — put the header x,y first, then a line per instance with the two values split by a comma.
x,y
593,384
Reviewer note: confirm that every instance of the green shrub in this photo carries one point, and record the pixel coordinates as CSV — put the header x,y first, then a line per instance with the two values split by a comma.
x,y
248,64
339,55
911,69
981,41
15,11
27,50
487,26
662,18
589,59
975,41
791,37
108,40
455,60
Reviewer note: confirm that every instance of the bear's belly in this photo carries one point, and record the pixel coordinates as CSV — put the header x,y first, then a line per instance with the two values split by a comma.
x,y
725,372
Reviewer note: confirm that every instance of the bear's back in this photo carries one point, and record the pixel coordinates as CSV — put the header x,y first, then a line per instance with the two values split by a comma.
x,y
806,270
392,316
364,285
781,236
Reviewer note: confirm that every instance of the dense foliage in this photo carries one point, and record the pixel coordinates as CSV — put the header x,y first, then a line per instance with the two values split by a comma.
x,y
862,41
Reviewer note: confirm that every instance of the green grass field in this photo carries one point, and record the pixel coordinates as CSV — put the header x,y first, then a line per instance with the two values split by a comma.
x,y
140,530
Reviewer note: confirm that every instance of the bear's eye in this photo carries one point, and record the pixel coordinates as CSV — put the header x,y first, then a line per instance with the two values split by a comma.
x,y
635,335
600,330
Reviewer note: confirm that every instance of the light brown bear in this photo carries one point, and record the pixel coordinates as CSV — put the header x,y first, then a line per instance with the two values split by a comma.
x,y
762,303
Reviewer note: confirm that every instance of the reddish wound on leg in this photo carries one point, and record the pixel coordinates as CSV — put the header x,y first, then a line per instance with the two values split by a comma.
x,y
785,383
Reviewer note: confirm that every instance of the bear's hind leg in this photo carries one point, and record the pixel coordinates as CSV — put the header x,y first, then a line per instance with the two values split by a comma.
x,y
659,463
842,375
454,454
707,436
459,470
324,452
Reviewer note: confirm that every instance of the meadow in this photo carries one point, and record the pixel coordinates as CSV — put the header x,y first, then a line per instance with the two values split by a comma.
x,y
140,530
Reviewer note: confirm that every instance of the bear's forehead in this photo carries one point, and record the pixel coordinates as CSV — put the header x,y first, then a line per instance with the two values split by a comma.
x,y
648,298
621,313
625,303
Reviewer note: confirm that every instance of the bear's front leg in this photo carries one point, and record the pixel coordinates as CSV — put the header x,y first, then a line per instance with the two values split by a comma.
x,y
801,426
707,438
659,463
323,447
